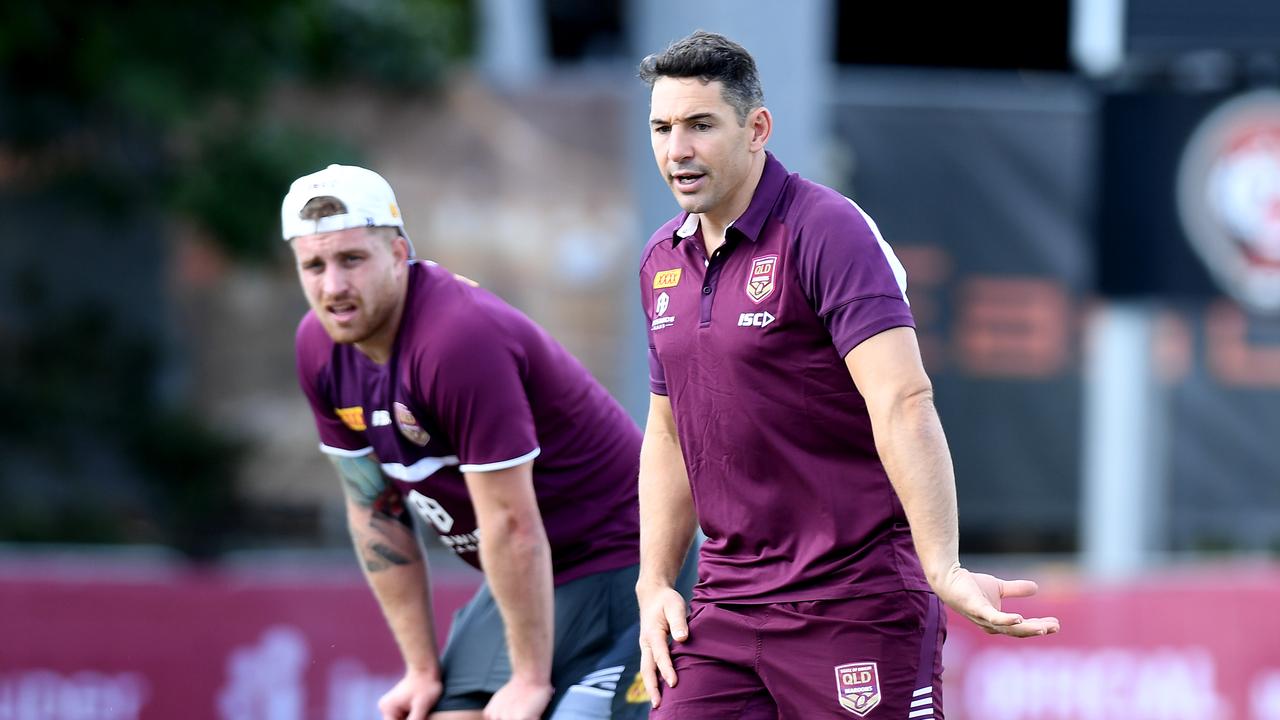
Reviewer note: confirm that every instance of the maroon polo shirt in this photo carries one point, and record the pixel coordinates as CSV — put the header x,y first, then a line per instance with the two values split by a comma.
x,y
749,345
474,385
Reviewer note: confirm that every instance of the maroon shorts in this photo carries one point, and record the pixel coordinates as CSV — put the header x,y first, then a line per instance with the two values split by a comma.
x,y
876,657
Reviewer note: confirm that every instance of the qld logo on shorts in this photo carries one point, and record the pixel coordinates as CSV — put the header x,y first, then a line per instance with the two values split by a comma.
x,y
760,282
1229,197
858,687
409,426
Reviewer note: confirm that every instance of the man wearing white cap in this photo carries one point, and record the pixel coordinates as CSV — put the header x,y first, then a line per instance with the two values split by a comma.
x,y
444,409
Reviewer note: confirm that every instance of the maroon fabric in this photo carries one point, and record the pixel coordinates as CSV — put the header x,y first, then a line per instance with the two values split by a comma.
x,y
792,660
473,383
749,347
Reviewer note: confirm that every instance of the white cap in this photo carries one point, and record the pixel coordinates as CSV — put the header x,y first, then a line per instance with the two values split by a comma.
x,y
367,195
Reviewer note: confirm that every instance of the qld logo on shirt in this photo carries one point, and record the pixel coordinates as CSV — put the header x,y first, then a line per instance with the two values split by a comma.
x,y
858,687
409,426
760,282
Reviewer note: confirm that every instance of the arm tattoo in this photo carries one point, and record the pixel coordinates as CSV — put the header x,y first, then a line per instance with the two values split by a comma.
x,y
389,554
377,543
362,479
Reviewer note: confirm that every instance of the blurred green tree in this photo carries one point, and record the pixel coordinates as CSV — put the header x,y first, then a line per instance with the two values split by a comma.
x,y
116,117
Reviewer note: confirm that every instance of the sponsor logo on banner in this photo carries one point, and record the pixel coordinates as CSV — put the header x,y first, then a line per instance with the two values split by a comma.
x,y
760,282
409,426
352,417
1229,197
858,687
660,305
666,279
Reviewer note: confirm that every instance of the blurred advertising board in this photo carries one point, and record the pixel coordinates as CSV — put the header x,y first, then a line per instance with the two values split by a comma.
x,y
89,642
1019,205
1196,645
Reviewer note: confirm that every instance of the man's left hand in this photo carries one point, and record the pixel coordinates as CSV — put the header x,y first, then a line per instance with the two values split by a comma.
x,y
519,700
977,596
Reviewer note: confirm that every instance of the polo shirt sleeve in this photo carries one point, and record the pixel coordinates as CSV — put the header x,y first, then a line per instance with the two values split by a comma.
x,y
477,390
850,275
336,436
657,376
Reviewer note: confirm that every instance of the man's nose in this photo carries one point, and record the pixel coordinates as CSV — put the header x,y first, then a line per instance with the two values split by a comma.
x,y
680,147
334,282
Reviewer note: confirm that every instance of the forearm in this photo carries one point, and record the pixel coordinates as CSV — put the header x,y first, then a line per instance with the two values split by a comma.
x,y
914,451
390,558
516,558
667,517
394,567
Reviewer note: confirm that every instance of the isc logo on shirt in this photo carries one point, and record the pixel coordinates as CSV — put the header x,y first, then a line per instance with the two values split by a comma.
x,y
760,319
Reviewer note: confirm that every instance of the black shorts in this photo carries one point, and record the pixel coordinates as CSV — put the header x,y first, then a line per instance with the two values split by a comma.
x,y
596,633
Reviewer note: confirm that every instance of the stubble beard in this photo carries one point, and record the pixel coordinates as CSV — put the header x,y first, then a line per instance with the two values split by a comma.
x,y
368,322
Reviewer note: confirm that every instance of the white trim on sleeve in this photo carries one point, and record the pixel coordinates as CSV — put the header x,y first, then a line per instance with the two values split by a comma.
x,y
899,272
501,464
343,452
421,470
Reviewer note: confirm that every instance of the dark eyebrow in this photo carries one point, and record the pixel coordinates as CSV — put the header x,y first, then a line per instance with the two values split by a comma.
x,y
696,117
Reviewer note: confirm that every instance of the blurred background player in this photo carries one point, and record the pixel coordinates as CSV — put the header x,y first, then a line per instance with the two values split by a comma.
x,y
792,418
444,408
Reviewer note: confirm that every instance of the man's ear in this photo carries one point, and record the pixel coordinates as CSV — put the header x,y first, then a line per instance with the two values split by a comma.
x,y
760,121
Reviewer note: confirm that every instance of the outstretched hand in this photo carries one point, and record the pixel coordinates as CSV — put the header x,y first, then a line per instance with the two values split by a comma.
x,y
977,596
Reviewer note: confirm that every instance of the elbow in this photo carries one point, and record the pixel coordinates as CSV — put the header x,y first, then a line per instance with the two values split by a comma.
x,y
908,404
514,531
918,399
906,410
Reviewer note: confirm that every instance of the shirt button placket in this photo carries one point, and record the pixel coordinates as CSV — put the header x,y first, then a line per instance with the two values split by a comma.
x,y
714,266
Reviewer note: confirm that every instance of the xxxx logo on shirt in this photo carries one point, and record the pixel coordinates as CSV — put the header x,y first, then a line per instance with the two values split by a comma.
x,y
409,426
760,282
666,279
352,417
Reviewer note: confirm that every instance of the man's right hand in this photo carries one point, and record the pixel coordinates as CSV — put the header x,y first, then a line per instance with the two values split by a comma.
x,y
412,698
662,613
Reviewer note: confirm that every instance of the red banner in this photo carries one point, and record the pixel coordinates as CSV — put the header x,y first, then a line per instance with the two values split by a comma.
x,y
1199,645
95,642
119,643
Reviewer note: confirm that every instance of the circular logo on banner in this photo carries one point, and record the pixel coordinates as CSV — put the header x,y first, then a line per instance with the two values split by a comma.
x,y
1229,197
409,426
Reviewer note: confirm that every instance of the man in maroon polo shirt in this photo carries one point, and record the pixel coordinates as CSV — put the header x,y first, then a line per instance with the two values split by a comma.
x,y
447,411
792,419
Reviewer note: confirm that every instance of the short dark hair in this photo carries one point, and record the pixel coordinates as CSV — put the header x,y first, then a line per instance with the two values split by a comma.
x,y
322,207
710,57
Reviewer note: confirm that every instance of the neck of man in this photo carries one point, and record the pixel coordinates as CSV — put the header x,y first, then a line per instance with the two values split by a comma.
x,y
716,221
